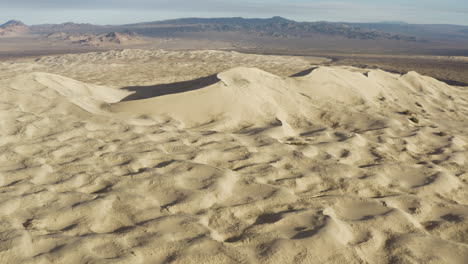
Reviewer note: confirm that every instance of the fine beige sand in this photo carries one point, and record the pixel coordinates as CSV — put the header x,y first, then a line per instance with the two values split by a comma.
x,y
147,156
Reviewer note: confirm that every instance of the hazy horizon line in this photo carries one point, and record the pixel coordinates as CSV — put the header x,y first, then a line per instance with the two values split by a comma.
x,y
243,17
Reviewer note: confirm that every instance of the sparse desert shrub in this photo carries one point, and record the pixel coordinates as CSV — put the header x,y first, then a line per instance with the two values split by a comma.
x,y
414,119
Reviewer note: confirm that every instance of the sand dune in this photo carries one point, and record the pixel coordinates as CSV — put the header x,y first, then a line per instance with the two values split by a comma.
x,y
58,90
252,97
335,165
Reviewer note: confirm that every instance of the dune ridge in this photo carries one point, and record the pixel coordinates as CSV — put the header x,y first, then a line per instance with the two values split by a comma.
x,y
336,165
250,96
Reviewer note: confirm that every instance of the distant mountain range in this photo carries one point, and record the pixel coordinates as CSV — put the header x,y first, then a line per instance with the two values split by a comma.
x,y
264,34
277,27
272,27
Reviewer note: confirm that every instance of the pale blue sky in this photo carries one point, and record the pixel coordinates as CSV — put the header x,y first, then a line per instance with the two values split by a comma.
x,y
130,11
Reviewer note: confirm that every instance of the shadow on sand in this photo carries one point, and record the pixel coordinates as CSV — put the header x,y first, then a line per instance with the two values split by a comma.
x,y
304,72
144,92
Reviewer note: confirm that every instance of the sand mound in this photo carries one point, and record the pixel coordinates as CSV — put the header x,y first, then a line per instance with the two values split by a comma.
x,y
39,90
238,96
339,165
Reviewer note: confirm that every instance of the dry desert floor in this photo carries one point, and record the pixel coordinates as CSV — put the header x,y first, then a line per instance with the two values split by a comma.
x,y
150,156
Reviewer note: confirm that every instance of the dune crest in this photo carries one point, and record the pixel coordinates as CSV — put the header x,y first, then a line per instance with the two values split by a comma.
x,y
249,96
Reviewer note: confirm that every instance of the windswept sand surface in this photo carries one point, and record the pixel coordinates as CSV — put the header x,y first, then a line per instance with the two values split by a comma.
x,y
214,157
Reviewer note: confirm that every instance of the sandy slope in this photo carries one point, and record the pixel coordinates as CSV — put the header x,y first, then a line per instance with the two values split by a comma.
x,y
339,165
